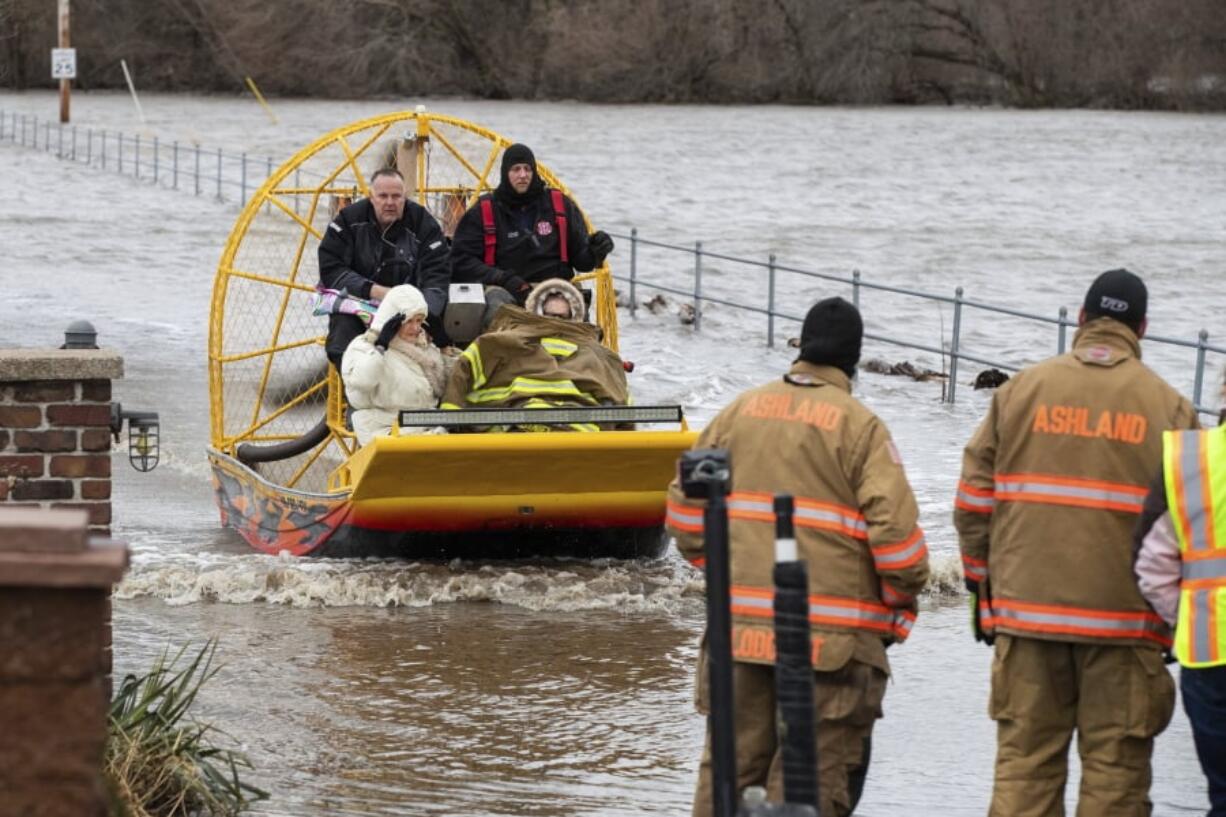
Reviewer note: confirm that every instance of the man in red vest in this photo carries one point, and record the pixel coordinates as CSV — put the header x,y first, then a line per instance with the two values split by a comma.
x,y
522,234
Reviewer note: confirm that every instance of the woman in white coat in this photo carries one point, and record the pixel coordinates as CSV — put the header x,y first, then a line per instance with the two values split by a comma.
x,y
393,366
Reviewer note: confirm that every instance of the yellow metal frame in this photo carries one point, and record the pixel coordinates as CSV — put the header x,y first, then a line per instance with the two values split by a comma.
x,y
369,132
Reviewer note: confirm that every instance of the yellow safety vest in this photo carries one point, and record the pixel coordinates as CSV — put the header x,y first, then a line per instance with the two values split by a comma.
x,y
1195,463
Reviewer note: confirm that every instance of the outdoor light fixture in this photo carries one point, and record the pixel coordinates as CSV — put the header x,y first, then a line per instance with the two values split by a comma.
x,y
540,416
143,436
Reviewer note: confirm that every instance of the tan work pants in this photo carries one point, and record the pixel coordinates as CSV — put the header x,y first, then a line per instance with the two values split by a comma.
x,y
847,701
1117,699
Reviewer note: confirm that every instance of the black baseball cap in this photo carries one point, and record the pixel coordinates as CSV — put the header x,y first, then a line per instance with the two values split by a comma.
x,y
1117,294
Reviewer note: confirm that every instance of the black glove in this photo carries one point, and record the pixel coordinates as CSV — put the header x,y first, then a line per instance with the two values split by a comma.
x,y
974,588
518,287
601,245
389,331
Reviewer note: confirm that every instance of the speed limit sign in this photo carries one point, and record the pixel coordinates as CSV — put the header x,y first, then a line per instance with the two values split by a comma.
x,y
63,63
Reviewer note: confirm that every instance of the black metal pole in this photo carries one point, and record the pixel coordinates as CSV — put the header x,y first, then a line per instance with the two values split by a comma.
x,y
793,664
719,655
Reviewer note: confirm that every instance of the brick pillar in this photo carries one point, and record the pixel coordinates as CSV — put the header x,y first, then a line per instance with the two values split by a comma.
x,y
55,588
55,446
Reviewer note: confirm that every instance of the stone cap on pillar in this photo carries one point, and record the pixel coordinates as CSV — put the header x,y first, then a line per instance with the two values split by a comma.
x,y
51,548
60,364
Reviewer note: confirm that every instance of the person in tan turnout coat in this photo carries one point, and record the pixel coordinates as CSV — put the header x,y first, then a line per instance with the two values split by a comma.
x,y
1052,484
856,526
540,356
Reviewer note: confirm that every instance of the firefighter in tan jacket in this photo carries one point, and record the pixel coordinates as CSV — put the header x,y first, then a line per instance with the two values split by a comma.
x,y
856,526
540,356
1052,484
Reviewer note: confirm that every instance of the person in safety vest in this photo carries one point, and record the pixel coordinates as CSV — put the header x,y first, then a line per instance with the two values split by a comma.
x,y
856,526
1052,484
522,234
393,366
375,244
544,355
1181,570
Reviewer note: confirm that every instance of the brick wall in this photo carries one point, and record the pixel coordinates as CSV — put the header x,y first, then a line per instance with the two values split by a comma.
x,y
55,587
55,443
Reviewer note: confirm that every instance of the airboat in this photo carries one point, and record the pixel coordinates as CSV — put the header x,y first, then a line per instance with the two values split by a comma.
x,y
287,471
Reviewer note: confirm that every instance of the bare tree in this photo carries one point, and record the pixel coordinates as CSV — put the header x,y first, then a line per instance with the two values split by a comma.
x,y
1122,53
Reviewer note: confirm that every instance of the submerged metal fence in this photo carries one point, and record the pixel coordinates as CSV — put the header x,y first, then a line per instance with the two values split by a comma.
x,y
187,167
231,176
857,283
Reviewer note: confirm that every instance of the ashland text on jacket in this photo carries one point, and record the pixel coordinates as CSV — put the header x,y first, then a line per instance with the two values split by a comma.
x,y
856,517
1052,484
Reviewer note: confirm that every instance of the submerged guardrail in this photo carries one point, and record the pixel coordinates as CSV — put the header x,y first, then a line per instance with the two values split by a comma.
x,y
185,167
214,171
953,349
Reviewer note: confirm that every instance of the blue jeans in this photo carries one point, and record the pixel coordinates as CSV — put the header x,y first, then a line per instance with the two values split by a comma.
x,y
1204,699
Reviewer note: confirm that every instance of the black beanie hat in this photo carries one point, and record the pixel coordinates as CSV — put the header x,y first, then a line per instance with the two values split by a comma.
x,y
1120,295
518,154
832,334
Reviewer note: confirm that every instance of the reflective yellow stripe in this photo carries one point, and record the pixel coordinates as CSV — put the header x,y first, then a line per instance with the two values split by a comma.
x,y
558,347
526,387
1195,468
450,407
473,355
540,402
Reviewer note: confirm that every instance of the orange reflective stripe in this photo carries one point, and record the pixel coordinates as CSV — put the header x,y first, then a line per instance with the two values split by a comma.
x,y
894,598
974,569
757,506
901,554
975,500
1059,619
836,611
1206,498
1073,491
904,622
697,561
1175,477
683,517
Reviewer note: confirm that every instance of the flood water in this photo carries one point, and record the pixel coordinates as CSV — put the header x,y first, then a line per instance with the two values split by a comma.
x,y
564,688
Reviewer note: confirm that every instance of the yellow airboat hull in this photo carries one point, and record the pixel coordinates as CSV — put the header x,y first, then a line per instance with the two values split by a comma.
x,y
493,494
480,494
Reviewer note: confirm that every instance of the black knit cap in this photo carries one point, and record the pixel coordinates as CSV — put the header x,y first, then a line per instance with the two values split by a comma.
x,y
1117,294
832,334
518,154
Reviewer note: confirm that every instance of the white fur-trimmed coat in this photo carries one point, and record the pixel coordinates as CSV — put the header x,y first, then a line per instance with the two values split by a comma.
x,y
407,376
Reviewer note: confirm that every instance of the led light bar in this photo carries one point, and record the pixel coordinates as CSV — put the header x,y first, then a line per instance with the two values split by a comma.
x,y
540,416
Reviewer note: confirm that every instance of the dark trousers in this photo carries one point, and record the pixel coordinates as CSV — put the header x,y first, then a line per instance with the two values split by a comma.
x,y
1204,699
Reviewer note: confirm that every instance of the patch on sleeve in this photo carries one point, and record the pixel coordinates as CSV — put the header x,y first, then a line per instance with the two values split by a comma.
x,y
893,449
335,226
436,245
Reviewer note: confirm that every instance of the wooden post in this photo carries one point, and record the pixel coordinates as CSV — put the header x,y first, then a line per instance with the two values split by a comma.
x,y
65,84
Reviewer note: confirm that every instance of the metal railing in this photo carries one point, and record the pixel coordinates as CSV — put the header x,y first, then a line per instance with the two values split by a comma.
x,y
953,349
203,171
221,174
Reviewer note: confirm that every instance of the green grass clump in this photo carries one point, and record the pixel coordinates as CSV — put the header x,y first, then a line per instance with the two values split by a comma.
x,y
161,762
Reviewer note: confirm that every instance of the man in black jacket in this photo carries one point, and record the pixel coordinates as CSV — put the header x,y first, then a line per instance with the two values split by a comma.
x,y
524,233
378,243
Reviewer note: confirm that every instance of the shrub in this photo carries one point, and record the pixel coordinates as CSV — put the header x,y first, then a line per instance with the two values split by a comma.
x,y
161,762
